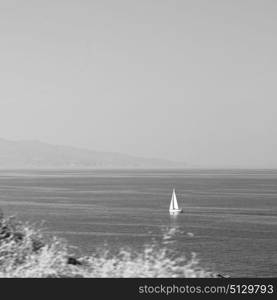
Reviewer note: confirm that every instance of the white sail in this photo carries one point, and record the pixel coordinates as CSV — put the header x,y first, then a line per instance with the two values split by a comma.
x,y
173,202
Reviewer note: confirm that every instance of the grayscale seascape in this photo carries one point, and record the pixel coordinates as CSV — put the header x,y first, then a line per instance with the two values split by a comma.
x,y
229,219
138,138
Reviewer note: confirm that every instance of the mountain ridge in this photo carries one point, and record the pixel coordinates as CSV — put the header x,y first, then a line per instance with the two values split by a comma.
x,y
36,154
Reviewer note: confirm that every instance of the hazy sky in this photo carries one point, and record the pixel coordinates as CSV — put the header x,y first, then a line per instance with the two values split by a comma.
x,y
185,80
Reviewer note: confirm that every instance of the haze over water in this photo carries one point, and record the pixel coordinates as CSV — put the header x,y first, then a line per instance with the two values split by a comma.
x,y
229,220
191,81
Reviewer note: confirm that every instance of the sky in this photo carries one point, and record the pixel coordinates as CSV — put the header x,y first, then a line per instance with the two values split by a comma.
x,y
184,80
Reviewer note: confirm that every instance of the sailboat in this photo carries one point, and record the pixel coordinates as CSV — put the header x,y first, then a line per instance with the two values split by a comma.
x,y
174,207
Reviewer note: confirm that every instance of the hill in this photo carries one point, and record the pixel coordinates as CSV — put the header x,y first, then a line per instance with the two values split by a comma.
x,y
36,154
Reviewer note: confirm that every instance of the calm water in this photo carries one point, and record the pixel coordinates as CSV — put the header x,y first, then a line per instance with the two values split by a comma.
x,y
232,214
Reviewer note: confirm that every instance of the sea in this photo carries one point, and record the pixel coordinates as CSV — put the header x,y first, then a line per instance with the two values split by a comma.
x,y
229,219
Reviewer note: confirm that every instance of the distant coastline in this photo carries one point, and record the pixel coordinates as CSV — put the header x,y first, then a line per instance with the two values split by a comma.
x,y
40,155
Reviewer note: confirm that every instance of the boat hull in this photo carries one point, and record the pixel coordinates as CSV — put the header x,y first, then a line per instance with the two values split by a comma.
x,y
175,211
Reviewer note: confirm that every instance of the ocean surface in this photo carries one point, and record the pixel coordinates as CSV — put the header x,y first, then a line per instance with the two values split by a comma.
x,y
229,219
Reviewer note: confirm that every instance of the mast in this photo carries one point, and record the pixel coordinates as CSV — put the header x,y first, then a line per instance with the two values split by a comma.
x,y
171,207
